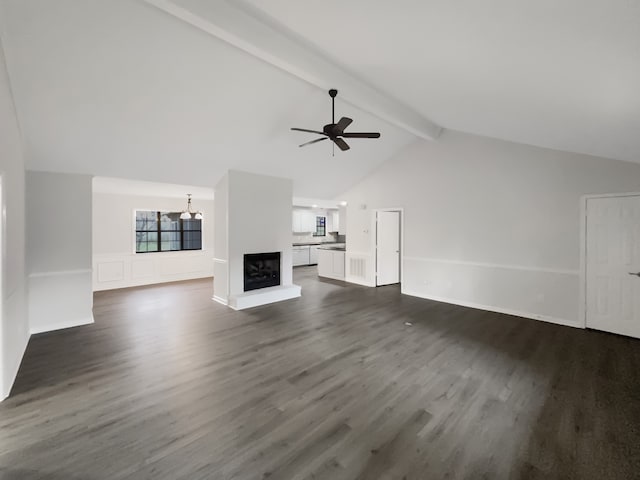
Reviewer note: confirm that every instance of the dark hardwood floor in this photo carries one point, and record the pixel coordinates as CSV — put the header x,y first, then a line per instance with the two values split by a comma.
x,y
170,385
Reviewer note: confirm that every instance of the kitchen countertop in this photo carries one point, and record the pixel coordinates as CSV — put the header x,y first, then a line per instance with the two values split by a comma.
x,y
314,243
339,249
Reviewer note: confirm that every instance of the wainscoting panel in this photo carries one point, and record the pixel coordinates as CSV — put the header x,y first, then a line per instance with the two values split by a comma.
x,y
142,269
550,295
181,265
130,269
111,271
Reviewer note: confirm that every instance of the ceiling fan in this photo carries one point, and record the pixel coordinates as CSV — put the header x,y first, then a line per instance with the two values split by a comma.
x,y
335,131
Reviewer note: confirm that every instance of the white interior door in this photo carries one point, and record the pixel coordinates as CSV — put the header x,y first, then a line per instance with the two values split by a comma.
x,y
388,248
613,264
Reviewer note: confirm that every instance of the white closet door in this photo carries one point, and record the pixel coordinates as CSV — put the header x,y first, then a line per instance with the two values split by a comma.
x,y
388,248
613,264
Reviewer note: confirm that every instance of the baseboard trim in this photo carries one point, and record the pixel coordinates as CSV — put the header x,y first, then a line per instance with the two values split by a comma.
x,y
358,281
62,325
147,280
507,311
332,277
222,301
23,350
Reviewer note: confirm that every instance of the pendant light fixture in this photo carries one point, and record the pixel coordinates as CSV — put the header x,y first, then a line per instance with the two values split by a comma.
x,y
188,213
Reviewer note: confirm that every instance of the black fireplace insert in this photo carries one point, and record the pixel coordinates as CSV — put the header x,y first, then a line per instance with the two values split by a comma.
x,y
261,270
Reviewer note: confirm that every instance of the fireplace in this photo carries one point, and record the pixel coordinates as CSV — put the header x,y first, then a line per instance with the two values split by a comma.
x,y
261,270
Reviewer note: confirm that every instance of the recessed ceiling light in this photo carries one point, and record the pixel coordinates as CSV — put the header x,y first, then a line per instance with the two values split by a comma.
x,y
314,206
343,203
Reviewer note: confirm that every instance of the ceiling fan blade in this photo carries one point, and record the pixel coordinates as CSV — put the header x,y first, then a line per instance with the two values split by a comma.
x,y
308,131
343,123
342,145
314,141
361,135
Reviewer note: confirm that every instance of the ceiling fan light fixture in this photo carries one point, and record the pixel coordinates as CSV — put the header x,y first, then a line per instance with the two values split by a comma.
x,y
335,131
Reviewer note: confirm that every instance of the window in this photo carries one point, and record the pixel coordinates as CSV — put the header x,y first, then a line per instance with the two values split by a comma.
x,y
166,232
321,227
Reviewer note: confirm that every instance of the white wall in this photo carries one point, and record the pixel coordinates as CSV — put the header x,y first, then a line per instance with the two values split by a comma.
x,y
115,263
14,327
490,224
59,250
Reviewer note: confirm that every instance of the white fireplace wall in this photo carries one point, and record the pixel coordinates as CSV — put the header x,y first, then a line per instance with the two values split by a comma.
x,y
253,215
259,221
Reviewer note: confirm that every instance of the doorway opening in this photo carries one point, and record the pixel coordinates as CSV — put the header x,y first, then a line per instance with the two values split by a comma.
x,y
389,246
611,263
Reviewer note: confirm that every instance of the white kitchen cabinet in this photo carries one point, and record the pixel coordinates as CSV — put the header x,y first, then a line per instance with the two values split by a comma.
x,y
313,254
325,263
309,221
332,220
335,221
331,264
328,222
342,220
303,220
300,255
338,264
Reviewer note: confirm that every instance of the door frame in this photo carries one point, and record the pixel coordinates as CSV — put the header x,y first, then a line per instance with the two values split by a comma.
x,y
3,267
583,248
375,242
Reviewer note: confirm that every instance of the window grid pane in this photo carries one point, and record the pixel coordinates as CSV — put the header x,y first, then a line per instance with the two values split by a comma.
x,y
320,227
169,221
165,231
192,225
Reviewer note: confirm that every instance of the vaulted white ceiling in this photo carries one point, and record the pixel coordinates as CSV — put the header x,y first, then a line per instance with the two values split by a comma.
x,y
123,88
562,74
